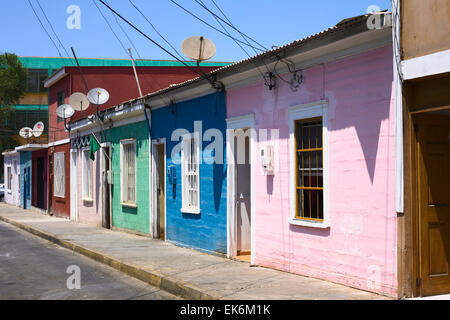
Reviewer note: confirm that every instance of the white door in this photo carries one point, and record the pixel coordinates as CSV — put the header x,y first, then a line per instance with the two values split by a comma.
x,y
73,185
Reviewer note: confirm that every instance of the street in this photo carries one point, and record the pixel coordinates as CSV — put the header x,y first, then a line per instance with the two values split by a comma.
x,y
32,268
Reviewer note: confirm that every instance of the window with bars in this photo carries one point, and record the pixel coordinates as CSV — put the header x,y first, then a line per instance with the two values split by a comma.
x,y
128,171
87,175
309,163
190,175
35,80
59,175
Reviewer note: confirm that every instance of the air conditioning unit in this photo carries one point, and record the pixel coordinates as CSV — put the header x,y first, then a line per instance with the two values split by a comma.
x,y
267,160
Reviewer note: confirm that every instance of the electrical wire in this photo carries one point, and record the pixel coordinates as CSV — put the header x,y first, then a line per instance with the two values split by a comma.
x,y
54,32
230,24
240,46
109,25
45,30
199,72
211,26
154,28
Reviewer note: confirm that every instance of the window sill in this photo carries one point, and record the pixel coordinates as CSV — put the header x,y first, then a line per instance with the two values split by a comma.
x,y
9,191
307,223
88,200
129,205
190,210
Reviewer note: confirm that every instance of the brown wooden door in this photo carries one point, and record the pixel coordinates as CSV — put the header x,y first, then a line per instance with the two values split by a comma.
x,y
433,158
161,194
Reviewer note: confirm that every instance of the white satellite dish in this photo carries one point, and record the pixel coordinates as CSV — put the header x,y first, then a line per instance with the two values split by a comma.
x,y
38,129
198,48
65,111
98,96
26,133
79,101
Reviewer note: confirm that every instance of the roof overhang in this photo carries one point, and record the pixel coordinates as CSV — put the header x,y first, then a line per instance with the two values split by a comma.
x,y
10,153
31,147
55,77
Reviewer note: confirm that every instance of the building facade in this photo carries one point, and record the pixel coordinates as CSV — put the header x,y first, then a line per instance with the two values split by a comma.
x,y
12,177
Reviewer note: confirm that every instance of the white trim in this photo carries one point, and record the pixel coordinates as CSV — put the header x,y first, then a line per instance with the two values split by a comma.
x,y
55,77
195,138
83,174
31,147
59,142
122,184
428,65
247,121
305,111
241,122
154,189
74,185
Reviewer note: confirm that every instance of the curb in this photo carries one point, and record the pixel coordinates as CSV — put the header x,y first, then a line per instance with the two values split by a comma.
x,y
169,284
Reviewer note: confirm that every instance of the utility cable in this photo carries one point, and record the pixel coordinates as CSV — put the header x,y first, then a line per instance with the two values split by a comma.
x,y
209,25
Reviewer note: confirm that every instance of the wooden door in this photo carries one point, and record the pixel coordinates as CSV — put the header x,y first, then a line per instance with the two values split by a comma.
x,y
161,193
433,169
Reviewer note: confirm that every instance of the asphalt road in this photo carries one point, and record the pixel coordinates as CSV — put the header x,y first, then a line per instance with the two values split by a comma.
x,y
33,268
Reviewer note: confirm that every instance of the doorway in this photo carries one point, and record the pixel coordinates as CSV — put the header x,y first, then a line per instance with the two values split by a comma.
x,y
159,187
73,185
242,195
239,184
40,182
106,185
432,171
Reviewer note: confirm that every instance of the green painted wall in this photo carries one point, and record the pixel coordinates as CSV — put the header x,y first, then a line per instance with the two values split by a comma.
x,y
136,219
56,63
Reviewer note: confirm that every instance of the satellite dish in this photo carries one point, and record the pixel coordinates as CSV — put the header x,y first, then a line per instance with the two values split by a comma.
x,y
65,111
98,96
26,133
79,101
198,48
38,129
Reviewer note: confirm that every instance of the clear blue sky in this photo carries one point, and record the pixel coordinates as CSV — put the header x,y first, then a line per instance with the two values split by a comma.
x,y
270,22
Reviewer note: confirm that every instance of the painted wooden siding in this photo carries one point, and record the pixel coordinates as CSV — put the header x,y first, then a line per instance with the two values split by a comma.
x,y
207,230
360,247
135,219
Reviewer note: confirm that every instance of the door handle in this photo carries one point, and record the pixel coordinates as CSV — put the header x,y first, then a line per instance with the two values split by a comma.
x,y
435,205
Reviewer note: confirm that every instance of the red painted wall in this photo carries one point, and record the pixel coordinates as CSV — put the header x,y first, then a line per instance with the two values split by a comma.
x,y
60,206
120,83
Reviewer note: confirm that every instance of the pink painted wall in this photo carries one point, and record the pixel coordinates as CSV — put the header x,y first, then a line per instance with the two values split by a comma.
x,y
90,212
359,248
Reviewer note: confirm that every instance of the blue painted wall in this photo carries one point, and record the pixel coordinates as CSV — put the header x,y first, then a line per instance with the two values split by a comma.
x,y
25,179
207,230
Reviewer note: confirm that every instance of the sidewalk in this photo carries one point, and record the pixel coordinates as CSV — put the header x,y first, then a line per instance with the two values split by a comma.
x,y
180,271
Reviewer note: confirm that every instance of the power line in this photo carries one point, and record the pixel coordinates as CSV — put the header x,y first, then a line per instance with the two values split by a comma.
x,y
53,30
199,72
109,25
230,24
45,30
223,27
211,26
154,28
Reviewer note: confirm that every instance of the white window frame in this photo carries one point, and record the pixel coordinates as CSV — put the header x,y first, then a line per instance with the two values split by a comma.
x,y
184,192
300,112
55,156
87,195
9,179
123,178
